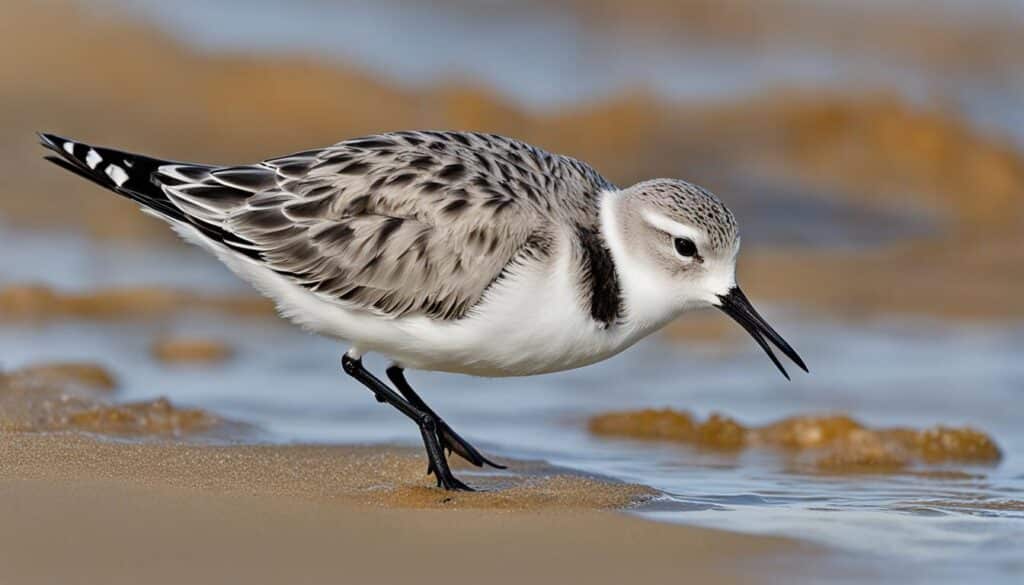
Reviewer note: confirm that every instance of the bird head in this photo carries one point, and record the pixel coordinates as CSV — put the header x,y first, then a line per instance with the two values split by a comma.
x,y
675,247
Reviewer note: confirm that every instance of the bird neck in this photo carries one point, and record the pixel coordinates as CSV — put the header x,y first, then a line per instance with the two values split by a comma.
x,y
649,297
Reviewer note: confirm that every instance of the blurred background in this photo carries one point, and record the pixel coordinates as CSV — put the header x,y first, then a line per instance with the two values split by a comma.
x,y
872,150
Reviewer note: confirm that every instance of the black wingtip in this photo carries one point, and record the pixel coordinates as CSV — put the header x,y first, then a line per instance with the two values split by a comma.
x,y
49,140
59,162
59,145
67,166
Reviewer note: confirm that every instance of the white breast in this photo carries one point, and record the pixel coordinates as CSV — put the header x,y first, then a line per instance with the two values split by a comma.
x,y
534,320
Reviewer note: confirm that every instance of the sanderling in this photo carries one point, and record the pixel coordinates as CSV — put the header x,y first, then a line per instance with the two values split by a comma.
x,y
449,251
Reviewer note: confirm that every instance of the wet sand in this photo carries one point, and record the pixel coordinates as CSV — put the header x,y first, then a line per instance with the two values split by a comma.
x,y
151,492
77,509
38,303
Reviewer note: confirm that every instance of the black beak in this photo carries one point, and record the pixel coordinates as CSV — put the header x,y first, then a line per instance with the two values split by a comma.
x,y
737,305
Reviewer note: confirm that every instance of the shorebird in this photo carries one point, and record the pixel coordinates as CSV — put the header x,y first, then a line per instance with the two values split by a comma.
x,y
449,251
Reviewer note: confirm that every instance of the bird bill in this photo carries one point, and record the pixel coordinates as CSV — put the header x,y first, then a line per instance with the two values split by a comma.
x,y
736,304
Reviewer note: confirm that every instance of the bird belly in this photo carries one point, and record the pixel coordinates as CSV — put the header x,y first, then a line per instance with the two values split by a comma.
x,y
532,321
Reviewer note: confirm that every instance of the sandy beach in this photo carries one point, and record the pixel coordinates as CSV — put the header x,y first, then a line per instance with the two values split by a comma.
x,y
94,490
77,509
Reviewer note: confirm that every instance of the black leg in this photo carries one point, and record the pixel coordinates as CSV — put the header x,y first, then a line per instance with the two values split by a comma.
x,y
425,419
449,438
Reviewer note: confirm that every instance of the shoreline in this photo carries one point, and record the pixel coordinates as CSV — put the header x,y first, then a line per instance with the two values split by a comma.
x,y
161,512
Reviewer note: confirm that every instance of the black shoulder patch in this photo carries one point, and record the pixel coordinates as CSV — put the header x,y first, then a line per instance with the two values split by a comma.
x,y
599,278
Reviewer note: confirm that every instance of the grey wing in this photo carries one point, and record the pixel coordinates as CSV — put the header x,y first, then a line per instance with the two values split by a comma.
x,y
394,224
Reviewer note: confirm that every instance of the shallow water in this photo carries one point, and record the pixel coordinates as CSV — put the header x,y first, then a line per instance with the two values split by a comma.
x,y
884,372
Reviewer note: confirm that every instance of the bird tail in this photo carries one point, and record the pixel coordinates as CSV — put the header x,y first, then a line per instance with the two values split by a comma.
x,y
127,174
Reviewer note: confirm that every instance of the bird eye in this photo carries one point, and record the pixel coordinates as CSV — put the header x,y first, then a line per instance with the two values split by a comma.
x,y
685,247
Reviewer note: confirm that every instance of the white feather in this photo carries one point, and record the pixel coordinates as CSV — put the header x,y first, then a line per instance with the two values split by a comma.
x,y
674,228
652,298
92,158
116,174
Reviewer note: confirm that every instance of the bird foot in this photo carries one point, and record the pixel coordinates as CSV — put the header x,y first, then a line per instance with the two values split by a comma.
x,y
447,481
454,443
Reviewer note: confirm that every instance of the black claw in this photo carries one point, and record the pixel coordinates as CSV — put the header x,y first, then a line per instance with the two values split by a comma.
x,y
459,486
453,441
452,483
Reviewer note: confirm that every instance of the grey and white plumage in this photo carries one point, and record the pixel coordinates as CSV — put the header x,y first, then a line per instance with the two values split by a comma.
x,y
404,224
450,251
395,224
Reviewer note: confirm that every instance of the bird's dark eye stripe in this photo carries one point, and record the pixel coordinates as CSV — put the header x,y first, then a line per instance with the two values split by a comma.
x,y
685,247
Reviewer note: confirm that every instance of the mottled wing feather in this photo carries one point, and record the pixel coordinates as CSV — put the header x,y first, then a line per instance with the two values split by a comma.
x,y
410,222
